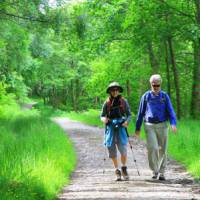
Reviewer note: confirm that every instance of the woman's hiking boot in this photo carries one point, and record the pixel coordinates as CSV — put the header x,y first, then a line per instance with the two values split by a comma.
x,y
125,173
162,177
118,174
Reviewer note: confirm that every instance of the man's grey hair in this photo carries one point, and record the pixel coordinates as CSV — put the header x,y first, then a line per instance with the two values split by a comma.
x,y
155,77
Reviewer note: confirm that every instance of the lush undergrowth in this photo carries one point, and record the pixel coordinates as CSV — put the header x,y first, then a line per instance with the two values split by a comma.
x,y
183,146
36,157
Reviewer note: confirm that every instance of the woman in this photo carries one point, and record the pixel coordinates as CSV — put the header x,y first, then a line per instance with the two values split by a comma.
x,y
116,116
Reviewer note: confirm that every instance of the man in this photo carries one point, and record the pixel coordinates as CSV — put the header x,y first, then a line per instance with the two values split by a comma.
x,y
116,116
156,109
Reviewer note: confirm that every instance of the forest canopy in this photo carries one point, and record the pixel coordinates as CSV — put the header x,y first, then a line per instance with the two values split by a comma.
x,y
68,53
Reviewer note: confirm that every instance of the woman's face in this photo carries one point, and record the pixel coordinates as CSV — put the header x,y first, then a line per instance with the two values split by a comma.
x,y
114,92
156,86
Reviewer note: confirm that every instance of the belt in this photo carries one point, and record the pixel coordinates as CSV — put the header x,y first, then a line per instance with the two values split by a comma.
x,y
156,122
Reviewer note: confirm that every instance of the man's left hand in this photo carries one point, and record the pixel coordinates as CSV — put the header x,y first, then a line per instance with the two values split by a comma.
x,y
174,129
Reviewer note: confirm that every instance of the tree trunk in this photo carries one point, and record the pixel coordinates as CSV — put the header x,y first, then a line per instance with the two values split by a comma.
x,y
176,80
73,95
77,94
195,103
152,58
167,69
44,101
128,83
128,86
96,101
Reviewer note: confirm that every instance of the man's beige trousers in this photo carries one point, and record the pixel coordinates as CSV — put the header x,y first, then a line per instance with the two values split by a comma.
x,y
157,137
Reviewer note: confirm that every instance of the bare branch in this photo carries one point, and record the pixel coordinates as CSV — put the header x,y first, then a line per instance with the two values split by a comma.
x,y
29,18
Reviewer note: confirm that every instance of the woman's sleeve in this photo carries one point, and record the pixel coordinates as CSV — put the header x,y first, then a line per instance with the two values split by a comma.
x,y
128,111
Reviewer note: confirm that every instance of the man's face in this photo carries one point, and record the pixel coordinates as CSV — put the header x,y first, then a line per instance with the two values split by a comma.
x,y
114,92
156,86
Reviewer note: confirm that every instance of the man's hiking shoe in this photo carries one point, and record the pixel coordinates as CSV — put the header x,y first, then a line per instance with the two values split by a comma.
x,y
125,173
118,174
155,175
162,177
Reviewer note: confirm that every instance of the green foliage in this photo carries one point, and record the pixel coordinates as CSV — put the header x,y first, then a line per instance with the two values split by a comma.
x,y
130,41
8,106
67,55
184,146
70,62
36,158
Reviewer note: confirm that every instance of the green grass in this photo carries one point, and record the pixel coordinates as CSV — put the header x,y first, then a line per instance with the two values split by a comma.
x,y
36,157
184,146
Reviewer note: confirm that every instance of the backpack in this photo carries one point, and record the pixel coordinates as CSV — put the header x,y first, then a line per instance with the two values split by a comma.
x,y
147,96
122,105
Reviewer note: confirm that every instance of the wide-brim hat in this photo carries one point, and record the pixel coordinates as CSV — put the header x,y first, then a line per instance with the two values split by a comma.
x,y
114,85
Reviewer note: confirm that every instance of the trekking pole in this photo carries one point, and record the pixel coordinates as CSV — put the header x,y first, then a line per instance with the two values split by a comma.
x,y
134,160
104,160
104,157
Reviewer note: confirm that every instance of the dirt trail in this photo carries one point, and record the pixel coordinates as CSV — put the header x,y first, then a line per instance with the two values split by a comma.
x,y
89,183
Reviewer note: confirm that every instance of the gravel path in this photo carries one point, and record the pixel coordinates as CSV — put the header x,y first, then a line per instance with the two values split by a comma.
x,y
88,181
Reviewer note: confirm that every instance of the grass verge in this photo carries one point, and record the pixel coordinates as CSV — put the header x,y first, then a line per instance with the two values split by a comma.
x,y
36,157
185,145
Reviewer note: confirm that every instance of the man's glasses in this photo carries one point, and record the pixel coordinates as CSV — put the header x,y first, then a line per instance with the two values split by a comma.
x,y
155,85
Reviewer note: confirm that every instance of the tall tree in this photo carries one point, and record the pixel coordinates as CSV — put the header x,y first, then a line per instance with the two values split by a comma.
x,y
195,104
176,79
